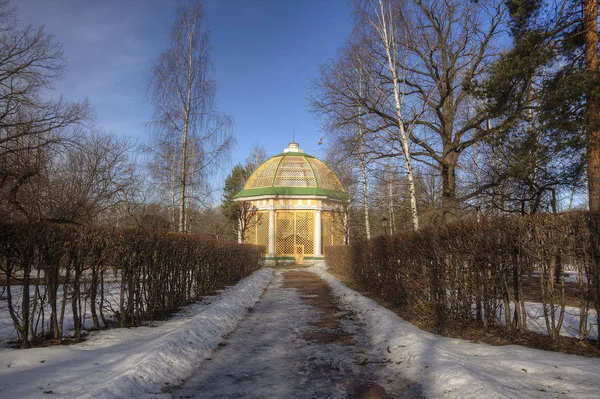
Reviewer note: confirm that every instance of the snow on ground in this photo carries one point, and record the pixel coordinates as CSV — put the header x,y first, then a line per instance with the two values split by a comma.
x,y
572,276
7,329
126,363
268,356
570,328
142,362
535,314
455,368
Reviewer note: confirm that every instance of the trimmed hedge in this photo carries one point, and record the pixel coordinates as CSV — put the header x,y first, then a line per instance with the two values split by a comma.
x,y
470,271
109,276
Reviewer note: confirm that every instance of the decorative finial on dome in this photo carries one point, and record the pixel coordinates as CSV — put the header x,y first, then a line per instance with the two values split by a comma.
x,y
293,147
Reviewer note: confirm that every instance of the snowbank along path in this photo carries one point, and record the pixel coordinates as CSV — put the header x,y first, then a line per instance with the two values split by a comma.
x,y
455,368
131,363
298,343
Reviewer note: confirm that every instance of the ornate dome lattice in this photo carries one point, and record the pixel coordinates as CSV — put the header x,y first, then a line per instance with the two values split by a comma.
x,y
293,173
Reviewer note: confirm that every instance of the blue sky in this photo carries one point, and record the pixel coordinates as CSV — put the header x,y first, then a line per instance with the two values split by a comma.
x,y
265,53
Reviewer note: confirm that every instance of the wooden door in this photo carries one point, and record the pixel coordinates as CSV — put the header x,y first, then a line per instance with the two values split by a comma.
x,y
299,254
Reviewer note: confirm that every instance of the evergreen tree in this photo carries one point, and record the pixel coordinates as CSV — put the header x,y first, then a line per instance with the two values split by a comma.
x,y
234,183
240,214
544,93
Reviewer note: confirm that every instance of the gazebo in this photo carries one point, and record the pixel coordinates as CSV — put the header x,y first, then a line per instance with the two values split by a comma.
x,y
298,206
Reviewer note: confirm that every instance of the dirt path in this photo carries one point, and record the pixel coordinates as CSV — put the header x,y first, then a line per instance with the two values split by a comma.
x,y
297,343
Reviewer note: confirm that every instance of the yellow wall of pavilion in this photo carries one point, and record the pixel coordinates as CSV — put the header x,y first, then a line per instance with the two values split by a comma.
x,y
257,231
333,231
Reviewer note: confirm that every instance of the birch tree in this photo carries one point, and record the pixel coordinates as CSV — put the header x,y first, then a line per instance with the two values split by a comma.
x,y
363,86
363,175
382,23
445,47
163,165
337,98
182,88
361,146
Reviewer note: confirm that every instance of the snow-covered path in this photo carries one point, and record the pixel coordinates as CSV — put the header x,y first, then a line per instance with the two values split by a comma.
x,y
297,343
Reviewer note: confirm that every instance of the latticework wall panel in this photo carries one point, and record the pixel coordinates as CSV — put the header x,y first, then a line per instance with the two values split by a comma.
x,y
305,231
294,228
262,230
332,228
263,177
257,231
284,232
295,172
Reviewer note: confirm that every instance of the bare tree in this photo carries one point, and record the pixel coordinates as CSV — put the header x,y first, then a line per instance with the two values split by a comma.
x,y
242,215
32,126
336,98
80,183
365,85
163,165
451,44
363,175
258,155
444,48
183,92
381,19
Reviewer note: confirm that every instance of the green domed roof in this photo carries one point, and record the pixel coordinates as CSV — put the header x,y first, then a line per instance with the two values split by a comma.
x,y
293,173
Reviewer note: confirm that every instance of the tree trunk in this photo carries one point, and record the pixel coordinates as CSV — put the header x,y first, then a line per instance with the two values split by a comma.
x,y
450,203
390,194
94,290
25,303
183,180
363,169
592,103
173,183
365,191
75,296
584,302
389,41
9,299
476,165
186,124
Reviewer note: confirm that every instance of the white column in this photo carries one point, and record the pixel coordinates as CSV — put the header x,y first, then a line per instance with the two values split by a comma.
x,y
318,233
271,233
346,227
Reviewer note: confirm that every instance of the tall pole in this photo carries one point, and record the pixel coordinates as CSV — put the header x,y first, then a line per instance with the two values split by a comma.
x,y
271,252
592,103
318,238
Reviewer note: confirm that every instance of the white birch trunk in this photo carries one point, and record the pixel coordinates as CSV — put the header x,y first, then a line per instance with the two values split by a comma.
x,y
386,32
173,182
186,123
363,169
365,190
390,195
182,181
